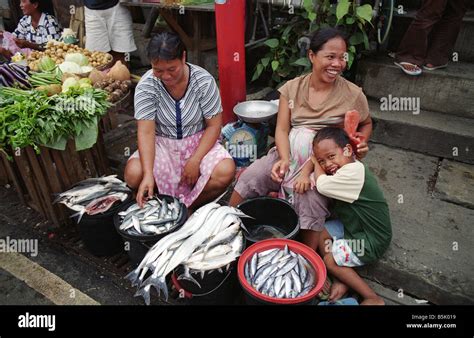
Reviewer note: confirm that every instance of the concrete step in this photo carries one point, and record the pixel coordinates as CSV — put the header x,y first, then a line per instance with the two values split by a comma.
x,y
430,256
464,46
428,132
449,91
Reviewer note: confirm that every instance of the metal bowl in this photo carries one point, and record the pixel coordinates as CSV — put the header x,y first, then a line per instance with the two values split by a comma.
x,y
255,111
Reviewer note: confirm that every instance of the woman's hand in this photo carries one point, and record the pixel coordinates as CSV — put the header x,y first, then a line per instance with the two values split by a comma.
x,y
5,52
279,170
191,171
22,43
302,184
146,188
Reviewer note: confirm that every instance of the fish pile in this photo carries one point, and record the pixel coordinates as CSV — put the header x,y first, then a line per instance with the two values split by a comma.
x,y
156,217
210,239
94,195
280,273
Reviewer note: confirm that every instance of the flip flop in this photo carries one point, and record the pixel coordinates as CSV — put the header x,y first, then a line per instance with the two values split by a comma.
x,y
415,72
435,67
342,301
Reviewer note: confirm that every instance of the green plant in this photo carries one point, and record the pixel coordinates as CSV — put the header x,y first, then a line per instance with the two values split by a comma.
x,y
284,60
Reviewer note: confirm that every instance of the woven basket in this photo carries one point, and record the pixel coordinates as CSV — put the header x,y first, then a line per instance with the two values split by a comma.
x,y
108,64
118,104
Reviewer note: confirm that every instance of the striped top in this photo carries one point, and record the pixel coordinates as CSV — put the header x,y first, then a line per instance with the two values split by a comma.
x,y
182,118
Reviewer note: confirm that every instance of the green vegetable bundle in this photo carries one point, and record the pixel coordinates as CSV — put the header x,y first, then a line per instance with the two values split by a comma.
x,y
31,118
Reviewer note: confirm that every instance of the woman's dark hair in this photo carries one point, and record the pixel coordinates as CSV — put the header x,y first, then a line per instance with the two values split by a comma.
x,y
321,36
338,135
166,46
44,6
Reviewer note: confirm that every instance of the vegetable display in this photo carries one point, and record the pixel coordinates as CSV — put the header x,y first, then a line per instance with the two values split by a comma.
x,y
58,52
31,118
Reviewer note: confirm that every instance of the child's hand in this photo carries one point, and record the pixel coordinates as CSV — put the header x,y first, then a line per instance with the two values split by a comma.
x,y
359,144
302,184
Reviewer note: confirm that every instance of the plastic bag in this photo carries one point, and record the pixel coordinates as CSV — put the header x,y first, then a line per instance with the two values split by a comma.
x,y
9,44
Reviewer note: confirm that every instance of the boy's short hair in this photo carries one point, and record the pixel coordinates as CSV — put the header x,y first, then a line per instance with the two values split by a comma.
x,y
338,135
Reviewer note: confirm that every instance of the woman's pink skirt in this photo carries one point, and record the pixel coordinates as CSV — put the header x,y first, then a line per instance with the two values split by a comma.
x,y
171,156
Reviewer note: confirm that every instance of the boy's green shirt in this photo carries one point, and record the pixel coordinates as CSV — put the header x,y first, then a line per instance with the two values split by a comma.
x,y
360,206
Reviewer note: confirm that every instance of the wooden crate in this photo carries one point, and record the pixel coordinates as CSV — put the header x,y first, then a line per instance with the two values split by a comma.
x,y
109,120
37,177
4,178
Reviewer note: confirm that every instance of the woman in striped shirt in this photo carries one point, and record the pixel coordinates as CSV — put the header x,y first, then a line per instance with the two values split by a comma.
x,y
178,108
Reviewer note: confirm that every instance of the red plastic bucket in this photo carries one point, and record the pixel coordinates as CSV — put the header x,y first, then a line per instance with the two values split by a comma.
x,y
299,248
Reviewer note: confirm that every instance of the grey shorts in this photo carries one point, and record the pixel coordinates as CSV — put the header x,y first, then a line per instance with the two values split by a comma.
x,y
256,180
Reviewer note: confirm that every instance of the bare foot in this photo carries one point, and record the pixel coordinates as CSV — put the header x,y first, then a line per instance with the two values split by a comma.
x,y
373,301
326,289
338,290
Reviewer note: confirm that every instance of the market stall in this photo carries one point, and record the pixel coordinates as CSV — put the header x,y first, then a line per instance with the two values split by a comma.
x,y
55,106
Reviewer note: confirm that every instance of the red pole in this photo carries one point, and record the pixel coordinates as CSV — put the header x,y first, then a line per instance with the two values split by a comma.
x,y
230,29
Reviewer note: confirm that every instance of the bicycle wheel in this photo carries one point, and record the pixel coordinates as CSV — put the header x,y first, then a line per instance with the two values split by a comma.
x,y
385,20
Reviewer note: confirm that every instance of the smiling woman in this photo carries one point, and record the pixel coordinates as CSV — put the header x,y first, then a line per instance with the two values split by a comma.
x,y
178,108
307,104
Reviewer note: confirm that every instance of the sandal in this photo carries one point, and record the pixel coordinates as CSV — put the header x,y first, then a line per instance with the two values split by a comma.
x,y
342,301
434,67
416,70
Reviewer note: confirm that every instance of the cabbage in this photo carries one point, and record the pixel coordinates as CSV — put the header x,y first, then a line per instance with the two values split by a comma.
x,y
46,64
78,58
69,83
87,69
70,67
85,83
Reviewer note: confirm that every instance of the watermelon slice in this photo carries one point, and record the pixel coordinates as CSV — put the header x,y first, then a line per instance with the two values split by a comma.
x,y
351,122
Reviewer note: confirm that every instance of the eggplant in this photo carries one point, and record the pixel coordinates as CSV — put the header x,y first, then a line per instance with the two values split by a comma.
x,y
14,74
21,70
3,82
7,75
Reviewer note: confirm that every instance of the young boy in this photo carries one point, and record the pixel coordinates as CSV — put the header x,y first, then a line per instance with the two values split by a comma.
x,y
362,231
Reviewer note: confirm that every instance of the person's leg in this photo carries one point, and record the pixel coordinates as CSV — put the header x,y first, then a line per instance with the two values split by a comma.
x,y
133,173
310,238
312,210
445,33
117,56
349,277
255,180
414,45
220,179
95,26
338,289
120,31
